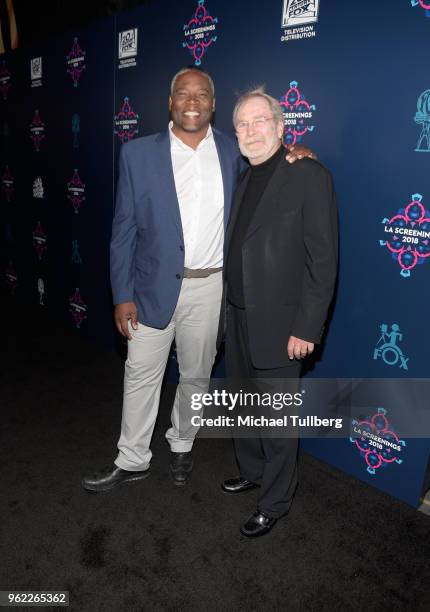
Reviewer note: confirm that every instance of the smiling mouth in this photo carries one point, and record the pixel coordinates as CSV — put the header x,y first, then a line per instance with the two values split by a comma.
x,y
191,114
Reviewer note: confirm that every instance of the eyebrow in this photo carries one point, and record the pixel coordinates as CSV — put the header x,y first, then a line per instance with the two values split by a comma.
x,y
253,117
205,89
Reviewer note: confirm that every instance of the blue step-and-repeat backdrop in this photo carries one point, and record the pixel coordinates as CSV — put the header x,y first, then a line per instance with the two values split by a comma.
x,y
353,83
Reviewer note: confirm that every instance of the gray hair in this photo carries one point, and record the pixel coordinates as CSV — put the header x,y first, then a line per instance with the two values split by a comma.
x,y
258,92
189,69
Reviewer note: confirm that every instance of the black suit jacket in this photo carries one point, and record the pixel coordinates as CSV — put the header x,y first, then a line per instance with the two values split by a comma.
x,y
289,258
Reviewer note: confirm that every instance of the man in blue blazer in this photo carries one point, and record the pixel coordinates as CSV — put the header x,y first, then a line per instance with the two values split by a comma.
x,y
174,196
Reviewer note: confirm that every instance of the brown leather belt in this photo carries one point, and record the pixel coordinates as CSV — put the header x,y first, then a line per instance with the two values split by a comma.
x,y
203,273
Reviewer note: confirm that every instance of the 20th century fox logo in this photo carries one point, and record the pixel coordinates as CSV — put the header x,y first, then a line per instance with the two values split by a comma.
x,y
299,12
127,43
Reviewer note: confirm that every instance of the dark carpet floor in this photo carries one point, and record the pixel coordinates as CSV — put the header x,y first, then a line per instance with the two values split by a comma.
x,y
151,546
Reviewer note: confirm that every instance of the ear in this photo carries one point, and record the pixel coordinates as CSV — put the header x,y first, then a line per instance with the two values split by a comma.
x,y
213,105
280,129
170,103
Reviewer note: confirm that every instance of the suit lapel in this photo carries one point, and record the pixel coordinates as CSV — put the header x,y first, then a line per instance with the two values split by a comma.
x,y
167,179
226,173
236,205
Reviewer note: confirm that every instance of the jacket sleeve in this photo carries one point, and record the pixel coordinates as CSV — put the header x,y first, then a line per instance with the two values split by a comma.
x,y
123,242
321,255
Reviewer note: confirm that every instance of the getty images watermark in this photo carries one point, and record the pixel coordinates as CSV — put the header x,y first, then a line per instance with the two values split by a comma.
x,y
308,408
241,402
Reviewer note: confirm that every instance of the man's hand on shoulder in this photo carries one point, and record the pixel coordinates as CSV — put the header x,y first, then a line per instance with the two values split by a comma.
x,y
298,348
124,313
296,152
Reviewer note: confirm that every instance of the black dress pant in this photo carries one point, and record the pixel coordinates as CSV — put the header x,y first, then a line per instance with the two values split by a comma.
x,y
264,460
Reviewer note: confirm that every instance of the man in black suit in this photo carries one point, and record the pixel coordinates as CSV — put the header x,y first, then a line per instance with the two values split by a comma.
x,y
281,253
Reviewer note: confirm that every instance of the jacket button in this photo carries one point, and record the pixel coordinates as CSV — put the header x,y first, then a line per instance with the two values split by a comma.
x,y
181,248
178,276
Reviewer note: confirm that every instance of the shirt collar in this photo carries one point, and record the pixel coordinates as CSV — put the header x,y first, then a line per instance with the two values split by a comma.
x,y
177,142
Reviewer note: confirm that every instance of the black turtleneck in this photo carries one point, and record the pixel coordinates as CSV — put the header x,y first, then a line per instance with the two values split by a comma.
x,y
260,176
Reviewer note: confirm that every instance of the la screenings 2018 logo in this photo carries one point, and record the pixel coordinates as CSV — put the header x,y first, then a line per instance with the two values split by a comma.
x,y
407,235
376,441
298,17
298,114
200,32
75,62
77,308
425,4
125,122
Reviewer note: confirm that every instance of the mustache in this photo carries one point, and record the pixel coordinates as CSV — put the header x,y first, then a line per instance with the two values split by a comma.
x,y
253,141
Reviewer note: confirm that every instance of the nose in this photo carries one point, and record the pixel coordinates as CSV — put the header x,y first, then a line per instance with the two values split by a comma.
x,y
250,128
192,98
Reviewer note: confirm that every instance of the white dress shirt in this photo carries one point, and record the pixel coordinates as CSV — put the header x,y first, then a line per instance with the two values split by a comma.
x,y
200,192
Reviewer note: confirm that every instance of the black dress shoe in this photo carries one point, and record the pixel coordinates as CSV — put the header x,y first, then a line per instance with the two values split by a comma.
x,y
237,485
181,466
109,478
258,525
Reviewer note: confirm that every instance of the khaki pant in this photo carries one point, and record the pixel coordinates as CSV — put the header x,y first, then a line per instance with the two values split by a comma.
x,y
194,327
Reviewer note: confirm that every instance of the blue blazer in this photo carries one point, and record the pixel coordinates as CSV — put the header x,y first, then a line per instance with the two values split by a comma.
x,y
147,246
